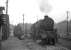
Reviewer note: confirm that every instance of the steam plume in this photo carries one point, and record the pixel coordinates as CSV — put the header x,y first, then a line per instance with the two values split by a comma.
x,y
45,7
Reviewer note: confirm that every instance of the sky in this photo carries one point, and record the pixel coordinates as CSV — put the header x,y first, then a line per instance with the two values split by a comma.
x,y
34,10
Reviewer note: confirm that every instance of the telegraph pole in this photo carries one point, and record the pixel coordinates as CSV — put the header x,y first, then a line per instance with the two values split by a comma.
x,y
37,18
24,25
67,22
6,6
23,18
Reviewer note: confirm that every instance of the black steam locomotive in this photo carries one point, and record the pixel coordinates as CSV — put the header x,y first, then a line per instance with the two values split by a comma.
x,y
44,31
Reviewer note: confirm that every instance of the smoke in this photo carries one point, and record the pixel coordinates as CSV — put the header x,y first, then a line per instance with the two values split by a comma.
x,y
45,7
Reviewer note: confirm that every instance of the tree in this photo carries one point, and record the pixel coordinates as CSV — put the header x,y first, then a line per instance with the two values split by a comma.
x,y
18,31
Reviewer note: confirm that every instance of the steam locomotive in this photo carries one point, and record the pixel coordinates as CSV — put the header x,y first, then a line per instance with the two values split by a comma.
x,y
44,31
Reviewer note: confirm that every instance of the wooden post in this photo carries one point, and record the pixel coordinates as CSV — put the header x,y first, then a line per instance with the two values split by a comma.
x,y
67,23
7,7
23,25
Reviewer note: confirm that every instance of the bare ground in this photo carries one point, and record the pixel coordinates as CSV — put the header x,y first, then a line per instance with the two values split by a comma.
x,y
15,44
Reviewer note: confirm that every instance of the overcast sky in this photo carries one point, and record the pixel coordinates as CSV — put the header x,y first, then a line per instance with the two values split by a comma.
x,y
33,9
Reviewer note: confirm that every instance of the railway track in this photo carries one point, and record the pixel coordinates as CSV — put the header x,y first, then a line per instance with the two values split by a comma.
x,y
15,44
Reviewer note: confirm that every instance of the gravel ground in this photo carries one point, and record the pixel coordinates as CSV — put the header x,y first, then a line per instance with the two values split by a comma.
x,y
14,44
